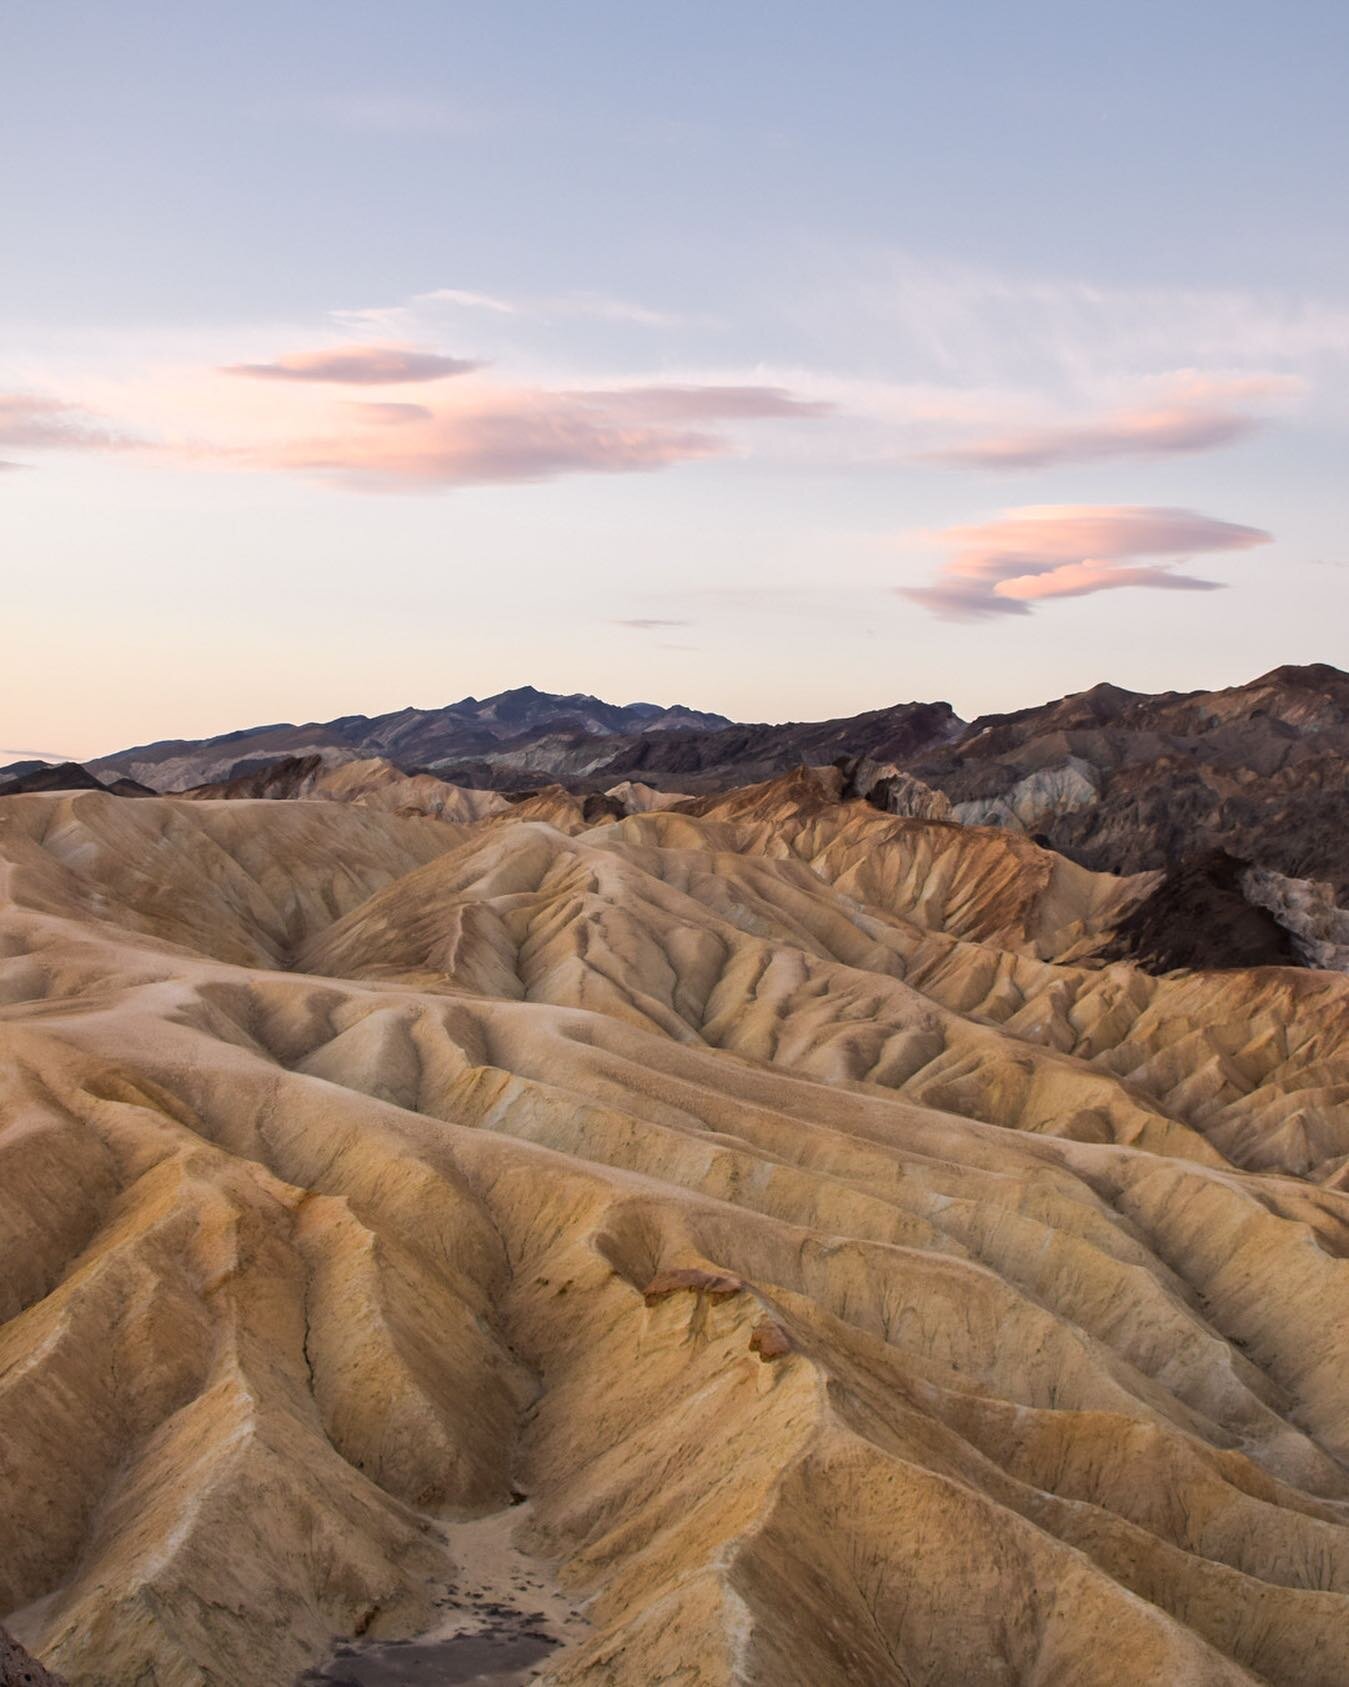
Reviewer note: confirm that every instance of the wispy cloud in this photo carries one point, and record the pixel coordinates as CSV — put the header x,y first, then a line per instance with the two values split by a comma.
x,y
1027,555
984,325
601,307
468,301
361,366
581,305
8,755
648,623
1136,433
1191,413
37,423
703,403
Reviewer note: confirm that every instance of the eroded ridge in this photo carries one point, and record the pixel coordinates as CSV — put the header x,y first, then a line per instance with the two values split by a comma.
x,y
862,1281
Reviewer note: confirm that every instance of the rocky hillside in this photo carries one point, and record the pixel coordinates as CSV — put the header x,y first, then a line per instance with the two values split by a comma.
x,y
1124,782
1118,781
748,1242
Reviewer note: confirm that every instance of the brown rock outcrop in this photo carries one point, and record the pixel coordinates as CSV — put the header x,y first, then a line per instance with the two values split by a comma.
x,y
18,1669
770,1340
691,1279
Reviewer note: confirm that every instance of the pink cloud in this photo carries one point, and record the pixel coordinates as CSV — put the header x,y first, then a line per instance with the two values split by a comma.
x,y
328,414
359,366
499,438
1045,551
484,434
36,423
1139,433
648,623
1192,412
394,414
1080,579
962,600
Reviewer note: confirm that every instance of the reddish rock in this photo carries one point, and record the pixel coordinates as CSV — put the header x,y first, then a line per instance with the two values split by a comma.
x,y
769,1340
695,1281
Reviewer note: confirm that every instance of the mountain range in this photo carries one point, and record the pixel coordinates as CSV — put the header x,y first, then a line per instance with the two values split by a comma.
x,y
1239,794
413,738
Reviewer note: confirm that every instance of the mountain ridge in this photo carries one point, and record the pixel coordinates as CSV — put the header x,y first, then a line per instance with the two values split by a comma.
x,y
1117,780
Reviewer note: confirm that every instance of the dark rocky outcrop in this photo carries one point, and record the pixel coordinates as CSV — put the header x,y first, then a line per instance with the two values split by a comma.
x,y
1260,771
280,780
18,1669
64,776
70,776
1200,918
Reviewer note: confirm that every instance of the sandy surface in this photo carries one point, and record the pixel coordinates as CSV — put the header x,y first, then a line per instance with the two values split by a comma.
x,y
498,1619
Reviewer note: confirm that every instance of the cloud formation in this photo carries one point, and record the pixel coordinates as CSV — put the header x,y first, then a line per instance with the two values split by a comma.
x,y
36,423
394,415
970,323
466,300
703,403
8,755
358,366
596,307
1127,433
483,433
1042,551
650,623
344,413
1192,412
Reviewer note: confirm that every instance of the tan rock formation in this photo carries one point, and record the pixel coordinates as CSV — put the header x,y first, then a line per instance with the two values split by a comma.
x,y
370,782
346,1159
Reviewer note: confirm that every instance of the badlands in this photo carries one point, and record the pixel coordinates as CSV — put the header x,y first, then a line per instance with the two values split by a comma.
x,y
758,1239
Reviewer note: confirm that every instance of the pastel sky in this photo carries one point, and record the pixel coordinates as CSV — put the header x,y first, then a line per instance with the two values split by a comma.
x,y
782,359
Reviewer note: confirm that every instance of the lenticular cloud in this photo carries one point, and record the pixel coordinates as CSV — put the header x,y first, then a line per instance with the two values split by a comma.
x,y
359,366
1024,556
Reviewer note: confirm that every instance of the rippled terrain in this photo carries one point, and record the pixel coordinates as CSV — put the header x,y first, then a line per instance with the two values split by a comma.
x,y
773,1218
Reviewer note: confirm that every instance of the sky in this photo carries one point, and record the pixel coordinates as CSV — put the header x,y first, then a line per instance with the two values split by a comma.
x,y
786,360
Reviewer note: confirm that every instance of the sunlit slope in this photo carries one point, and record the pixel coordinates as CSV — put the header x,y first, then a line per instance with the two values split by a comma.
x,y
340,1152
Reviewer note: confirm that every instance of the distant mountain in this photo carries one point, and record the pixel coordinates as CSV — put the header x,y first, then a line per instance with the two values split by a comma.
x,y
412,738
1123,781
24,777
675,758
1117,780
